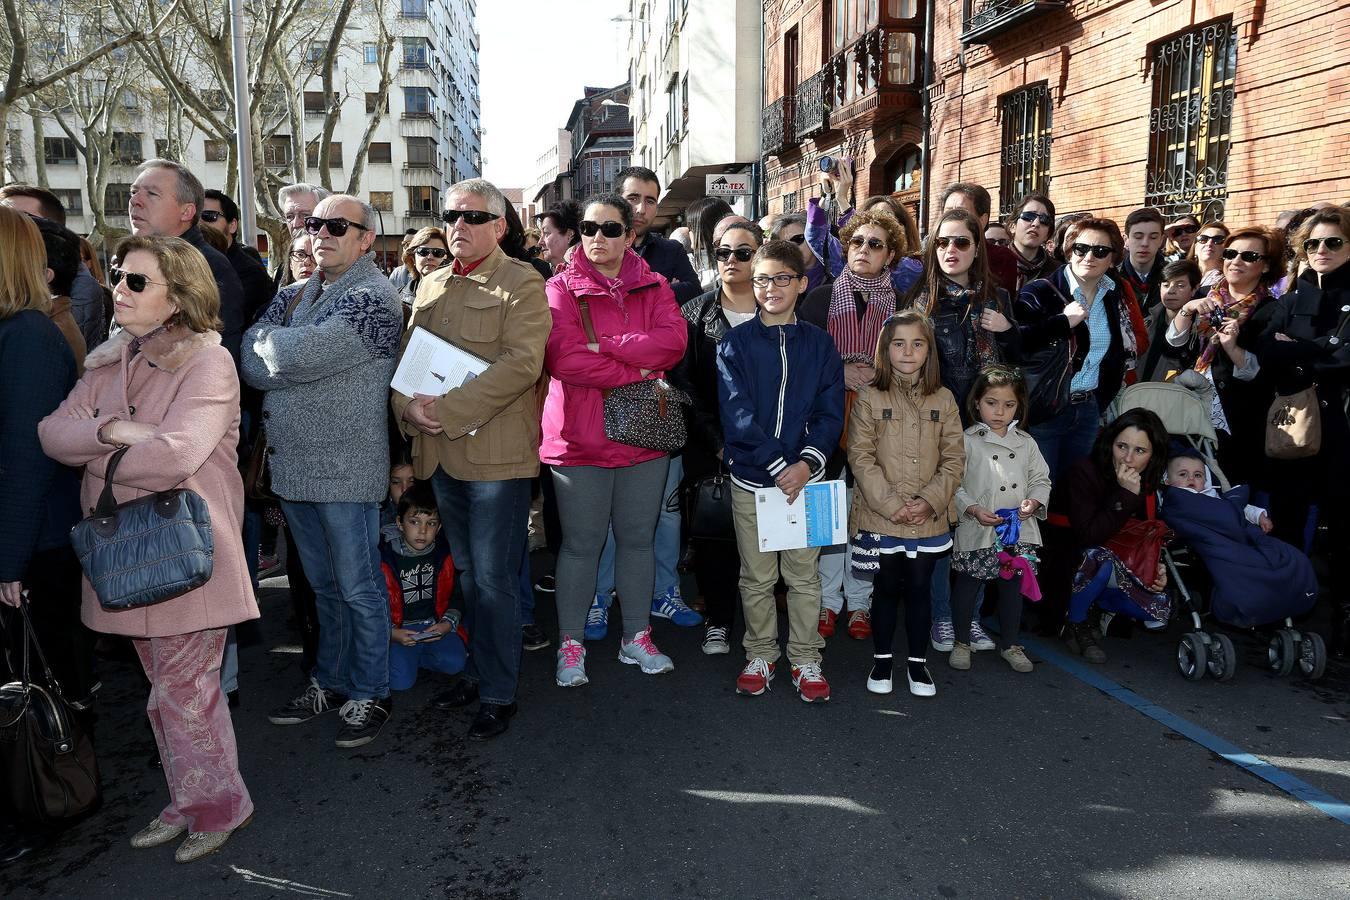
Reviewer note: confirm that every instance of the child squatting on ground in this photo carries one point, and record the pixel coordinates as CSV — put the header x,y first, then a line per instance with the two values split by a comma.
x,y
425,605
907,452
781,393
1004,491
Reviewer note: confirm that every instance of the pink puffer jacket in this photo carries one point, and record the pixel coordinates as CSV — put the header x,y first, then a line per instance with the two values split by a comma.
x,y
639,326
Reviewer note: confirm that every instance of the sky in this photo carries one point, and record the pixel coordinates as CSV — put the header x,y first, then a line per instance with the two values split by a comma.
x,y
534,59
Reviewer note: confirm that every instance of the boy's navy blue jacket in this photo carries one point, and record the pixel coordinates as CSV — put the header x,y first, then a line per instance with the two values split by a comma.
x,y
781,389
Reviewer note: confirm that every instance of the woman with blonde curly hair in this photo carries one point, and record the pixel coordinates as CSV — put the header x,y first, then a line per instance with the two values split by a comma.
x,y
162,398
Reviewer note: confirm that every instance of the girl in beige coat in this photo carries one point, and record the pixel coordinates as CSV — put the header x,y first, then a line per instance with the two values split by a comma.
x,y
1004,471
906,452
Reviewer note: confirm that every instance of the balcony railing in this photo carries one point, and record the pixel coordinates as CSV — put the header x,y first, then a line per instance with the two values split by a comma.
x,y
778,126
815,99
990,18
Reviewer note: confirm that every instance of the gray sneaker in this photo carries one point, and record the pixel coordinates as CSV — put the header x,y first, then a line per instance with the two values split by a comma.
x,y
571,664
315,701
640,651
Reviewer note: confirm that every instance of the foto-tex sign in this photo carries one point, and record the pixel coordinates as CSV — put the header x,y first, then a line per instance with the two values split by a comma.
x,y
728,185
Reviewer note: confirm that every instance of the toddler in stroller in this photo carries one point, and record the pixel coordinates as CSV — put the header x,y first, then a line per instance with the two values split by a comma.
x,y
1256,580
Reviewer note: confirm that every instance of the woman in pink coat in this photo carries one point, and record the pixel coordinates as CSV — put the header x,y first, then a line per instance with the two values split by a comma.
x,y
165,387
636,333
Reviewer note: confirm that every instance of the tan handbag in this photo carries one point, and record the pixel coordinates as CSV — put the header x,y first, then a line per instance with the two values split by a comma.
x,y
1294,426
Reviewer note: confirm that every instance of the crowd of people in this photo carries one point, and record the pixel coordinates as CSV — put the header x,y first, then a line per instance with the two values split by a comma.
x,y
638,398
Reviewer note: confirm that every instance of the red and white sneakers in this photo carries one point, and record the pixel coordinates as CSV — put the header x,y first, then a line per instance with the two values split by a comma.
x,y
810,684
755,677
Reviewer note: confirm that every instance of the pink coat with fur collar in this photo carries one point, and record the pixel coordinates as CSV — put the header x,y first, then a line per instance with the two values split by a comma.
x,y
184,383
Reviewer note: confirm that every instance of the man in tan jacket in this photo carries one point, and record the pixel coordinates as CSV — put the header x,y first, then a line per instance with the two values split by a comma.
x,y
479,443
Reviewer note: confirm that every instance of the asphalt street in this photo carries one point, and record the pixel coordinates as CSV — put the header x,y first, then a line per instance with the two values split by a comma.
x,y
1004,785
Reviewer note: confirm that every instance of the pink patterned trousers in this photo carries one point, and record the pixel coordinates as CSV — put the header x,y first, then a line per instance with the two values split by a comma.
x,y
191,720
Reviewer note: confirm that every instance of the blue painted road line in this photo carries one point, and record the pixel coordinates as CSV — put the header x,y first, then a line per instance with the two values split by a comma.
x,y
1290,784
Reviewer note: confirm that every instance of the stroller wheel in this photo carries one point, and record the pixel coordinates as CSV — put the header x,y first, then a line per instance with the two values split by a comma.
x,y
1312,656
1192,659
1222,658
1281,652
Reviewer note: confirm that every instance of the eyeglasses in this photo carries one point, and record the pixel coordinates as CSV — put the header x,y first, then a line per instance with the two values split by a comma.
x,y
962,243
858,242
1333,244
336,227
1183,230
1096,250
609,229
742,254
1209,238
135,280
210,215
433,252
998,242
471,216
1248,256
1038,218
798,239
301,254
783,279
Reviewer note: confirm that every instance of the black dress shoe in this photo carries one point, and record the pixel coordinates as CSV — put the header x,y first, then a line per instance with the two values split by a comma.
x,y
492,720
462,694
233,698
28,840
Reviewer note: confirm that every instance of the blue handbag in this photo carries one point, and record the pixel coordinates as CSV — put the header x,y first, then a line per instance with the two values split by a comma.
x,y
144,551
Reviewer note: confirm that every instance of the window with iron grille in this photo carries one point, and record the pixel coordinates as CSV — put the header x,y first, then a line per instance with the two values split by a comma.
x,y
1190,123
1024,164
790,202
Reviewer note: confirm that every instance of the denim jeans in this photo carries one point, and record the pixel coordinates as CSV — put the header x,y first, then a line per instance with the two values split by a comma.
x,y
526,585
486,523
942,590
1069,436
665,544
229,666
339,548
445,655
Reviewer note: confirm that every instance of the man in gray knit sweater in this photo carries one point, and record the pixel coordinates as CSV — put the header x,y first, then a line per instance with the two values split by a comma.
x,y
324,351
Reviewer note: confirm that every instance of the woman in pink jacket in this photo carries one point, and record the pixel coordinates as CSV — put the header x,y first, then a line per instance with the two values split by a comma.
x,y
165,387
638,333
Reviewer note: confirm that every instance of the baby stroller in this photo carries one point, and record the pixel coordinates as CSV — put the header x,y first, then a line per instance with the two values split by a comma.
x,y
1184,409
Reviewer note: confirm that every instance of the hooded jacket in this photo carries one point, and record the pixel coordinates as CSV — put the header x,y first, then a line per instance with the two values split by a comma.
x,y
781,394
638,326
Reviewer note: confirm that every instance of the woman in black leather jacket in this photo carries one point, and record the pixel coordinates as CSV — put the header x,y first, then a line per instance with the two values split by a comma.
x,y
710,316
972,317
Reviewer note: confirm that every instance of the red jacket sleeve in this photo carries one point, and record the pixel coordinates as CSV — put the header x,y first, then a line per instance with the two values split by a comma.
x,y
445,586
395,594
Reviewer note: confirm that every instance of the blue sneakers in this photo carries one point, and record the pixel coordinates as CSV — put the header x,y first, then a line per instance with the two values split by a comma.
x,y
670,605
597,619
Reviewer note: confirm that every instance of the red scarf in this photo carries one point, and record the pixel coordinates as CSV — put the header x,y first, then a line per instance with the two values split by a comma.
x,y
856,338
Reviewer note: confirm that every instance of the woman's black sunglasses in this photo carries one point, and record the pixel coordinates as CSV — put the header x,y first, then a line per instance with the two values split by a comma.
x,y
608,229
962,243
742,254
135,280
434,252
1038,218
1248,256
471,216
336,227
1096,250
1208,238
1334,244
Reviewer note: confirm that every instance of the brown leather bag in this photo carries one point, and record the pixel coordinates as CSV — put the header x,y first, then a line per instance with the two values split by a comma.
x,y
1294,426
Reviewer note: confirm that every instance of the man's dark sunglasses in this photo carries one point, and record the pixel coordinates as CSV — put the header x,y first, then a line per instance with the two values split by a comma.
x,y
470,216
1096,250
798,239
1248,256
1040,218
336,227
135,280
211,215
434,252
1183,230
608,229
742,254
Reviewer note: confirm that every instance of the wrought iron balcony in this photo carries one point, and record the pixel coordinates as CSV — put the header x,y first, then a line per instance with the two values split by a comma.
x,y
777,130
815,99
989,18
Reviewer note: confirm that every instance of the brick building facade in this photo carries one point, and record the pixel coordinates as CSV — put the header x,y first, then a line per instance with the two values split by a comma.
x,y
1225,110
842,79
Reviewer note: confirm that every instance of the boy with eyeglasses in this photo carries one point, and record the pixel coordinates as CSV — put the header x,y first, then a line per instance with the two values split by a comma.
x,y
781,396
